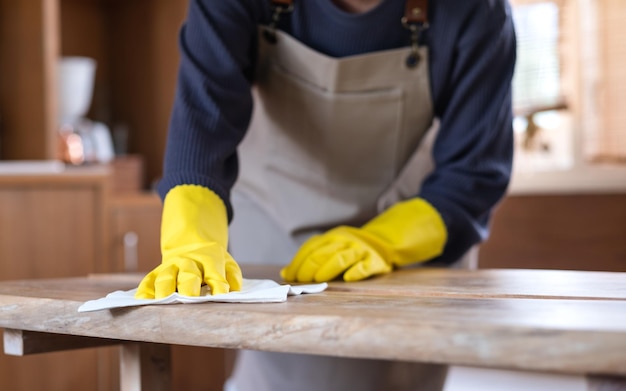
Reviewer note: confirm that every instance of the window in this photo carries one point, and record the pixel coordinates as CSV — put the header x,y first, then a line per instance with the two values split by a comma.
x,y
568,86
537,81
608,142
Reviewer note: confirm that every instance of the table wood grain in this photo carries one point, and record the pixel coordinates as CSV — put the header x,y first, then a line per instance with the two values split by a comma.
x,y
554,322
495,283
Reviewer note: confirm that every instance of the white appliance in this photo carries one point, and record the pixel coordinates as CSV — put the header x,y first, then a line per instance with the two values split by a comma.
x,y
81,139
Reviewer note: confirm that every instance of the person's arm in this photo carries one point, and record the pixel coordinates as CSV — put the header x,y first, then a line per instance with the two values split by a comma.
x,y
474,149
213,102
473,56
212,108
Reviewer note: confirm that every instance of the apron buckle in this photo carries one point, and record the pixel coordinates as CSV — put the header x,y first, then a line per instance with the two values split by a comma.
x,y
279,8
416,29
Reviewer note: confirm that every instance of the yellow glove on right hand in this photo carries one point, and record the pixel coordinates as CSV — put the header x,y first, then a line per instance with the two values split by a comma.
x,y
194,239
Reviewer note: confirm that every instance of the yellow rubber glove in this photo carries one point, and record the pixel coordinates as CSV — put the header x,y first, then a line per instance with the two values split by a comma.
x,y
194,238
409,232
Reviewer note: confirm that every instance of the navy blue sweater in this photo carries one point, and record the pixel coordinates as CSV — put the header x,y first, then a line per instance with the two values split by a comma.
x,y
472,55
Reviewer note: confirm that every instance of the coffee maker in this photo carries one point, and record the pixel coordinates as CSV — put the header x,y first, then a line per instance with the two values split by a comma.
x,y
81,140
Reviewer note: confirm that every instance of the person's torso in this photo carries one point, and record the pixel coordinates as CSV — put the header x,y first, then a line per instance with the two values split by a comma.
x,y
329,136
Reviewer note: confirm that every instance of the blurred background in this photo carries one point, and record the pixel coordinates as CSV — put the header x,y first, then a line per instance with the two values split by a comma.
x,y
75,190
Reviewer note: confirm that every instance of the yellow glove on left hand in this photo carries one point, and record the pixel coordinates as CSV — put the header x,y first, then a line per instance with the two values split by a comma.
x,y
409,232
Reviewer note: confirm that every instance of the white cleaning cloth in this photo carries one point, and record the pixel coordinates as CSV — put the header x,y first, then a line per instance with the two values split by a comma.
x,y
252,291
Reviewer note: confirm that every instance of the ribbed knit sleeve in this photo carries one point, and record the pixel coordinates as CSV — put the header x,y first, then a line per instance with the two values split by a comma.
x,y
473,61
213,102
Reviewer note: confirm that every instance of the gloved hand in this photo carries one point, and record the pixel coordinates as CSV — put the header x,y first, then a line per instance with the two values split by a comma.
x,y
194,238
409,232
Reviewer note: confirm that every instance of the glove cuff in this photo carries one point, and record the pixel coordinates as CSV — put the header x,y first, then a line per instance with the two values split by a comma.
x,y
192,215
414,230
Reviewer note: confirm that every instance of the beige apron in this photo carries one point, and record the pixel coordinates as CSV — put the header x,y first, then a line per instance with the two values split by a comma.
x,y
328,140
332,141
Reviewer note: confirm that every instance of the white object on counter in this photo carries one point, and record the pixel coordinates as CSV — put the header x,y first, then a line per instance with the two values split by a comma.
x,y
103,142
76,77
31,167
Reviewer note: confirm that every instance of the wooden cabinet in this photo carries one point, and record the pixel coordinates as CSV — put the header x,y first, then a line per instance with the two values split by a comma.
x,y
135,46
134,232
54,225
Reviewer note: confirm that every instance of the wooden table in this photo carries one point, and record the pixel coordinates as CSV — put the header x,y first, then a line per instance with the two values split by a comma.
x,y
535,320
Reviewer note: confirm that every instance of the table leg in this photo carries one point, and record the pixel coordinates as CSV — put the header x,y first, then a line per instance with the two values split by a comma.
x,y
145,366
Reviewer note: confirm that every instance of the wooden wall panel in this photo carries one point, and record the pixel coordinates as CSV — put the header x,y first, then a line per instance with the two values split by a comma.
x,y
28,45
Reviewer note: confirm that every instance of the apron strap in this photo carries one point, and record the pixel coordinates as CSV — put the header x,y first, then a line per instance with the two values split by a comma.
x,y
415,19
279,7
